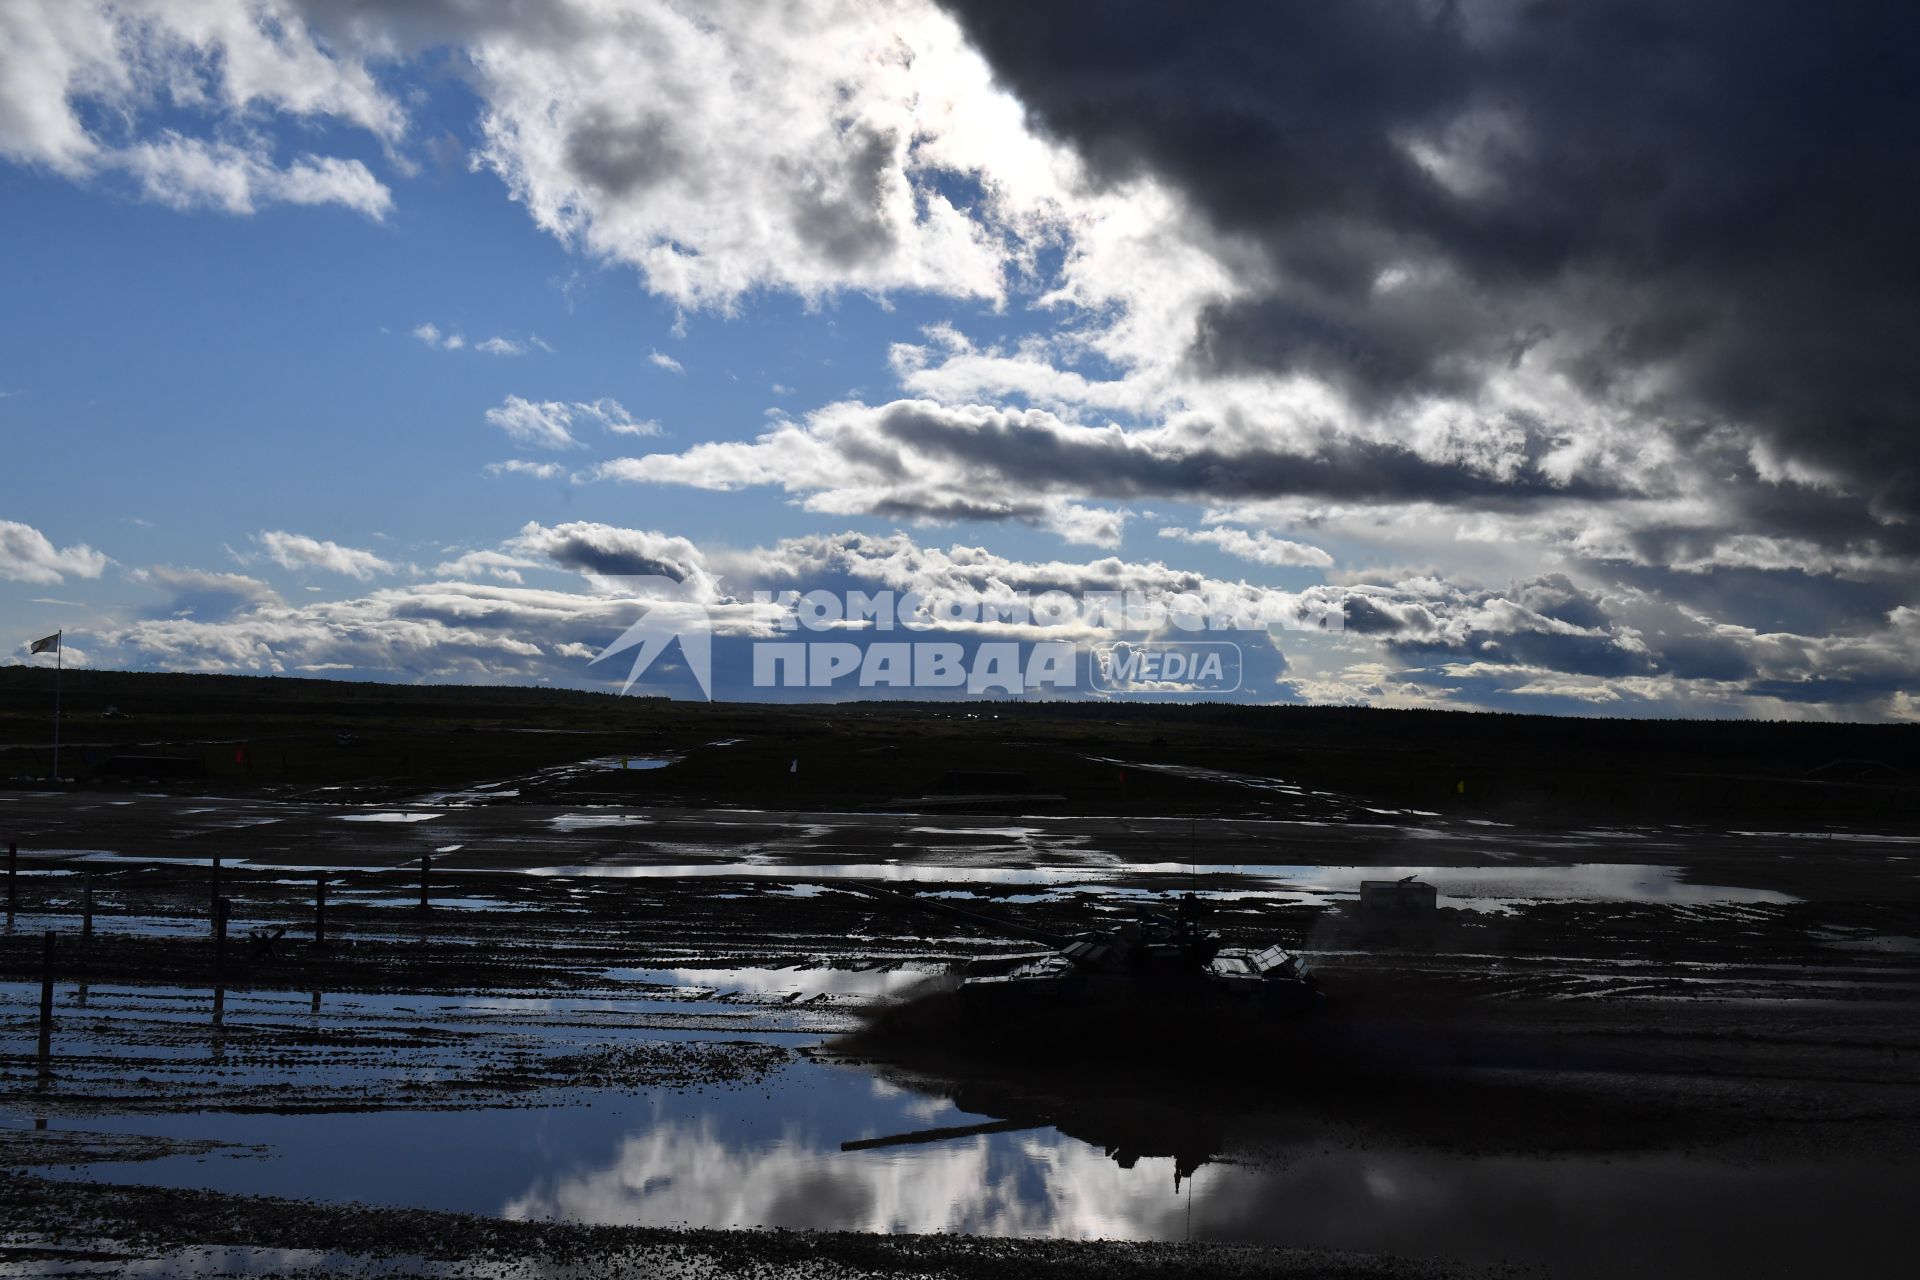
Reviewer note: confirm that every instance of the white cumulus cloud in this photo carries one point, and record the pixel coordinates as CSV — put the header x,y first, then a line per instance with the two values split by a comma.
x,y
550,424
487,564
27,555
1259,546
297,551
192,173
540,425
66,63
522,467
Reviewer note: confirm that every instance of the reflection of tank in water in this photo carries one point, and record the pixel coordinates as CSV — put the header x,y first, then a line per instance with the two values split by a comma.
x,y
1126,1129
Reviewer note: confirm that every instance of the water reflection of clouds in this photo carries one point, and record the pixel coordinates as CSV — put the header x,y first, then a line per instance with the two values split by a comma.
x,y
1027,1184
770,1155
1686,1216
923,1108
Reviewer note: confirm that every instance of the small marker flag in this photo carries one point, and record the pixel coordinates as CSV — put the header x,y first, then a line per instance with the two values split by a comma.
x,y
41,646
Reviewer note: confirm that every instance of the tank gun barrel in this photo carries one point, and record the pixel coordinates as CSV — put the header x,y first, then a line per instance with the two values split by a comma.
x,y
921,1137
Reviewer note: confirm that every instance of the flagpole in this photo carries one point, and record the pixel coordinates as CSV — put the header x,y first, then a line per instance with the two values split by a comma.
x,y
59,665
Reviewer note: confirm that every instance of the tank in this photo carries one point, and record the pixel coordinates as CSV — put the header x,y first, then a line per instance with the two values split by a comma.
x,y
1157,960
1117,1022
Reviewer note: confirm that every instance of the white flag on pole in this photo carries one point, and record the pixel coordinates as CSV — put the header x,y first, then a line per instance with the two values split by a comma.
x,y
41,646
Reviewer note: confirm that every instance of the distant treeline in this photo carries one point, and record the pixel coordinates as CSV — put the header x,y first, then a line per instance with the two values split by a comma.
x,y
27,692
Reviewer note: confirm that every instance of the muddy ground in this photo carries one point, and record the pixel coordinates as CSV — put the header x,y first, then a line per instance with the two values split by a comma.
x,y
1749,1009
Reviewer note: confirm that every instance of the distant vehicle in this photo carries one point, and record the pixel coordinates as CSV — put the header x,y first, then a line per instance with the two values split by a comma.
x,y
1409,898
113,713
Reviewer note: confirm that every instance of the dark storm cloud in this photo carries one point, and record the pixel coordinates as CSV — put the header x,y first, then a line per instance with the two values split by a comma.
x,y
620,157
1574,654
1032,447
842,215
1725,190
1365,617
1547,623
616,563
1706,657
1843,691
202,594
1534,642
1773,600
610,551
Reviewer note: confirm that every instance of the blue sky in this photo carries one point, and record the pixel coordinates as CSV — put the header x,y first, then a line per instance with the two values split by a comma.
x,y
214,358
305,305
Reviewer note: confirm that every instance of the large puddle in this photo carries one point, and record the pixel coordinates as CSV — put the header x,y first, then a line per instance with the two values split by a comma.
x,y
1473,888
1495,888
822,1144
827,1146
793,983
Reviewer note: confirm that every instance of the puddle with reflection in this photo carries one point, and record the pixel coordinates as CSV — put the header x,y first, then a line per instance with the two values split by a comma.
x,y
1476,888
1862,837
180,1056
410,901
790,983
594,821
1473,888
486,793
826,1146
1867,941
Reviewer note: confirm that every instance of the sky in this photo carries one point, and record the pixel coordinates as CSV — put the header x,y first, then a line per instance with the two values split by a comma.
x,y
1555,357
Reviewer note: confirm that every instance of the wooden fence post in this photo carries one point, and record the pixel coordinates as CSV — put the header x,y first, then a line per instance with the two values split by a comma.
x,y
46,997
222,909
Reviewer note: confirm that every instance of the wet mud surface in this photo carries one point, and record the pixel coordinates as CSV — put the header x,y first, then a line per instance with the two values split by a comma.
x,y
617,1033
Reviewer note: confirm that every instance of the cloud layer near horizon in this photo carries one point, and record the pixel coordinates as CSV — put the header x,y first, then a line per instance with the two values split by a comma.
x,y
1412,641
